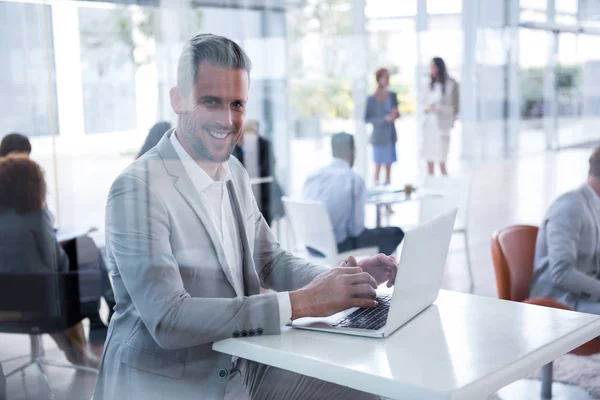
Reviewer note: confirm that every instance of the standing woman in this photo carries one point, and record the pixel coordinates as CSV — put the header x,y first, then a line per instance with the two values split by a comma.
x,y
381,112
441,108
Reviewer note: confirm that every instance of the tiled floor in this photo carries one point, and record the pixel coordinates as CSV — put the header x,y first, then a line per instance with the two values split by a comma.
x,y
514,191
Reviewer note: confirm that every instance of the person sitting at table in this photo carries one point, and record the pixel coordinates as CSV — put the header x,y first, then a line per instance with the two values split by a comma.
x,y
254,152
16,143
344,194
567,256
28,243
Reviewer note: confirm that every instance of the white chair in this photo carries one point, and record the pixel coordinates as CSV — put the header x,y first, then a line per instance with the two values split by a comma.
x,y
312,227
456,193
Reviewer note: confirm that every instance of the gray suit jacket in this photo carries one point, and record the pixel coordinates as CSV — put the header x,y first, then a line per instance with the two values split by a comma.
x,y
384,133
567,258
173,287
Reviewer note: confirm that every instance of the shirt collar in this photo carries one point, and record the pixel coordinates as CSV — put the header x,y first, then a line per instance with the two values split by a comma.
x,y
338,162
197,174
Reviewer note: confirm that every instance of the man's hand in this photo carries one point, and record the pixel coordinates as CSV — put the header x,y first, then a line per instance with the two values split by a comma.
x,y
334,291
381,267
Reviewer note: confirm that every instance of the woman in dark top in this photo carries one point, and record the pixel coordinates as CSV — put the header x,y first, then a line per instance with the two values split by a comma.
x,y
27,240
382,112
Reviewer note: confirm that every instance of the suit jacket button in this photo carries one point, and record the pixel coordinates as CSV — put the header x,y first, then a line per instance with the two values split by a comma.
x,y
223,373
251,332
236,334
259,331
244,333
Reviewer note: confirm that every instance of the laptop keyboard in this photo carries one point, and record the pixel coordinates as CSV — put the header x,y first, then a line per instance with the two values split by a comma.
x,y
368,318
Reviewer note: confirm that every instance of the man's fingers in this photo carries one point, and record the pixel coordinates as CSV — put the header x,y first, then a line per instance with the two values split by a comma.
x,y
364,290
388,261
351,270
352,261
357,279
362,303
392,281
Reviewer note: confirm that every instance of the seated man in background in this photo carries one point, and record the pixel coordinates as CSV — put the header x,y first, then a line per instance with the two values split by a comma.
x,y
567,257
255,154
343,192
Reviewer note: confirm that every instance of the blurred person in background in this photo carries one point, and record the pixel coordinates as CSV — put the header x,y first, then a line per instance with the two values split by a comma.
x,y
381,113
28,243
256,155
567,254
15,143
154,135
441,104
344,194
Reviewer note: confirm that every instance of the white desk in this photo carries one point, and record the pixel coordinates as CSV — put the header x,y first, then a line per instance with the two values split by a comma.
x,y
69,232
462,347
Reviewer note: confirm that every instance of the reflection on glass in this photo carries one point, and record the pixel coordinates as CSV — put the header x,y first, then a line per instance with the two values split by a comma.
x,y
566,6
535,4
389,9
533,57
444,6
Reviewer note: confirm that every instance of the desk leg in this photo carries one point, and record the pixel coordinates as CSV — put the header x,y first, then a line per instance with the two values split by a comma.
x,y
547,381
378,215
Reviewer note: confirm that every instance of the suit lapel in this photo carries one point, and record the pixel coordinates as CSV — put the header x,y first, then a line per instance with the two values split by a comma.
x,y
250,279
186,187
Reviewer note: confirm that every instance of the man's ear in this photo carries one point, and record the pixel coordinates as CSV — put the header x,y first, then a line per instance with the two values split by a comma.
x,y
177,101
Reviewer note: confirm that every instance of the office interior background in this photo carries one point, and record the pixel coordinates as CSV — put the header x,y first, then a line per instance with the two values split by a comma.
x,y
85,81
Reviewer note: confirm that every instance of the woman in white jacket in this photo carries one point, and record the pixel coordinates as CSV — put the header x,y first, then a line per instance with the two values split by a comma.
x,y
441,102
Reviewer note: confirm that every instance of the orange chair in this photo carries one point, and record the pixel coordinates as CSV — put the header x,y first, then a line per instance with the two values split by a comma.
x,y
513,252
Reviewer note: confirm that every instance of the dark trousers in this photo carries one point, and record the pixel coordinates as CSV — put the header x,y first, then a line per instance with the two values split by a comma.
x,y
387,239
85,244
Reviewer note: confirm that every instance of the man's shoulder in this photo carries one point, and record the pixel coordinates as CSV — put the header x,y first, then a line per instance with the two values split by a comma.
x,y
567,205
145,169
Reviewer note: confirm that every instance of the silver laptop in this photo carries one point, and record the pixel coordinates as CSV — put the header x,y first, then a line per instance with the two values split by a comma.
x,y
418,282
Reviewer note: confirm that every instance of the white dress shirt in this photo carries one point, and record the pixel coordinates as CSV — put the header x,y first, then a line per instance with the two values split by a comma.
x,y
215,193
344,194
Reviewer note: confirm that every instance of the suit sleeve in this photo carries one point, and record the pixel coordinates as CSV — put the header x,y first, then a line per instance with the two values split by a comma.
x,y
563,231
277,268
138,234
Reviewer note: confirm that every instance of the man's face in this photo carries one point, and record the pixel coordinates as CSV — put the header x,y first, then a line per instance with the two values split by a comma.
x,y
212,114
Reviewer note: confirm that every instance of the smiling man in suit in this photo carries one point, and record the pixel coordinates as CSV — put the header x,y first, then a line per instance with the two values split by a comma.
x,y
188,251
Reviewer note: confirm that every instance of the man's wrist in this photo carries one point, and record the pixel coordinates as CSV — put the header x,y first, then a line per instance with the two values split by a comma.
x,y
300,308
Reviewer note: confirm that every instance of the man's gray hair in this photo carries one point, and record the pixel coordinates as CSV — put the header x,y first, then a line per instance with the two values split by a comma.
x,y
342,144
216,50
